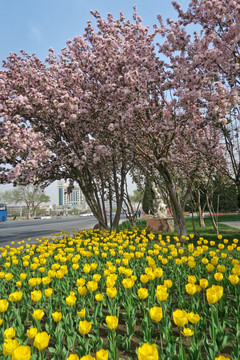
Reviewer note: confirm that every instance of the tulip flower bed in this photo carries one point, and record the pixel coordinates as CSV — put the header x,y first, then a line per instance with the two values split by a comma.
x,y
120,295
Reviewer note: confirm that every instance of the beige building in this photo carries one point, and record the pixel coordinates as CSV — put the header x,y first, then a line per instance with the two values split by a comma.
x,y
75,198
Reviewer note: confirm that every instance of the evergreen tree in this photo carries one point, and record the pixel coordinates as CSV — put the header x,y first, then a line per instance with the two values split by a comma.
x,y
148,197
228,196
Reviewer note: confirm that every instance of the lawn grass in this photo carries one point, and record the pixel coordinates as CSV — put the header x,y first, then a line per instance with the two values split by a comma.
x,y
207,232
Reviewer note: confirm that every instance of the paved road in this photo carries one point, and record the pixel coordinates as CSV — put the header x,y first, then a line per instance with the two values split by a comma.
x,y
235,224
22,230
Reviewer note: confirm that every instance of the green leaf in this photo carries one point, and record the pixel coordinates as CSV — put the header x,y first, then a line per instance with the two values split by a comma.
x,y
64,352
48,328
120,340
195,354
71,340
51,350
182,353
223,340
34,357
210,348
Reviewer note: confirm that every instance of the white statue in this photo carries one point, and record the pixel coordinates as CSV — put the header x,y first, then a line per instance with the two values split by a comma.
x,y
159,208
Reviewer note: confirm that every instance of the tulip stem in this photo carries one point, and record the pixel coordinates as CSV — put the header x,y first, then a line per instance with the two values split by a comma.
x,y
41,355
212,324
237,300
180,344
114,347
161,340
112,307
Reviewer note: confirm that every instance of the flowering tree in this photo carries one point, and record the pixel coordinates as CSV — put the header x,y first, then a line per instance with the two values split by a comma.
x,y
56,120
206,68
98,108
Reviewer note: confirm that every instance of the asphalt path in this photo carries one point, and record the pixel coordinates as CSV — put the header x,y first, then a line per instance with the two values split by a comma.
x,y
23,230
235,224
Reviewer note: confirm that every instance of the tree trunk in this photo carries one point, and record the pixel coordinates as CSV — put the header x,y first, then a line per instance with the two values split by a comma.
x,y
119,206
193,220
178,216
200,210
214,217
177,210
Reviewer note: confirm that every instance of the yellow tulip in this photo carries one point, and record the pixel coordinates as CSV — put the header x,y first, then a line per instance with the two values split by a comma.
x,y
234,280
87,357
38,314
8,276
158,272
192,279
21,353
221,357
16,296
210,267
41,340
221,268
193,318
46,280
203,283
36,295
111,292
156,313
9,346
82,290
143,293
218,276
102,355
57,316
32,332
23,276
3,305
71,300
98,297
180,317
84,327
187,332
161,293
73,357
214,293
48,292
191,264
9,333
60,274
86,268
168,283
82,313
97,277
110,282
112,322
148,352
128,283
92,286
144,278
81,282
190,288
75,266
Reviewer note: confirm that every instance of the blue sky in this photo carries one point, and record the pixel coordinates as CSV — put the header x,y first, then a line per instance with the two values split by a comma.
x,y
35,26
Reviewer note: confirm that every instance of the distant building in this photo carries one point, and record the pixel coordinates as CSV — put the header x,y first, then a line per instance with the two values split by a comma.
x,y
75,198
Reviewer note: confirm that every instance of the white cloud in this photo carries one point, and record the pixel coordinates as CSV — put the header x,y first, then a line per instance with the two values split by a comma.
x,y
34,33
